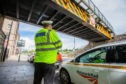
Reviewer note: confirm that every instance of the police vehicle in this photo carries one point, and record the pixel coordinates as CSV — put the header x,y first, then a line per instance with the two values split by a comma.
x,y
105,64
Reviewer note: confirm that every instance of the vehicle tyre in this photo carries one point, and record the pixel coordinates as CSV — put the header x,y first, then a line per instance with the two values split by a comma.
x,y
64,77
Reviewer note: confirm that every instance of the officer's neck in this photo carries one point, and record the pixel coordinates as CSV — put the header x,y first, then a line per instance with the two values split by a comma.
x,y
49,28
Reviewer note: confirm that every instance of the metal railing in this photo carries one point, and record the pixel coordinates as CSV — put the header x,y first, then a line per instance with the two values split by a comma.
x,y
90,5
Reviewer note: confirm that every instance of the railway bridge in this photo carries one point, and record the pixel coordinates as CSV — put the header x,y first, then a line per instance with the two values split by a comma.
x,y
79,18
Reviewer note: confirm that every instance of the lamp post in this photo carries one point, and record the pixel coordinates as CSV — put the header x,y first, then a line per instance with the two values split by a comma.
x,y
74,48
5,51
21,43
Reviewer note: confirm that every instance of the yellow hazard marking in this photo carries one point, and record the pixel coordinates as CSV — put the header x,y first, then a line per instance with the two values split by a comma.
x,y
77,10
82,14
104,31
85,16
95,65
58,2
65,4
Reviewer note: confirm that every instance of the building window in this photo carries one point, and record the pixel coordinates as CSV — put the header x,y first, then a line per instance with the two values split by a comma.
x,y
9,26
7,36
0,50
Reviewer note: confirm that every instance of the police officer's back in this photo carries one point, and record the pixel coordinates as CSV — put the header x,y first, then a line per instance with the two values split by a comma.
x,y
47,44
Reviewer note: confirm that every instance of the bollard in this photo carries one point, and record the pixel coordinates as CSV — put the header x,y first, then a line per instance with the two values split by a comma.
x,y
19,58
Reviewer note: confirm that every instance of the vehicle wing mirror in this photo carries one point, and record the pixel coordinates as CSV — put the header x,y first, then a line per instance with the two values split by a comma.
x,y
73,60
77,59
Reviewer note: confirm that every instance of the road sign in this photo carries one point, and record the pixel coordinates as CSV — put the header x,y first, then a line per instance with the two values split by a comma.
x,y
92,20
21,43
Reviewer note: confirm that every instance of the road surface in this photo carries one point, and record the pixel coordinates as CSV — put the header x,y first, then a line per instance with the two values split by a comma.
x,y
14,72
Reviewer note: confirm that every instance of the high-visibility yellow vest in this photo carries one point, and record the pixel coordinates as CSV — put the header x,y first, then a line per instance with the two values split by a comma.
x,y
47,45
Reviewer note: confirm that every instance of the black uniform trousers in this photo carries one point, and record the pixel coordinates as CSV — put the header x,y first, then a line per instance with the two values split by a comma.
x,y
46,71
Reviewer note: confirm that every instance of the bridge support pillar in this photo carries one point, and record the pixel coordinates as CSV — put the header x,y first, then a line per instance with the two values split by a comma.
x,y
90,45
115,39
1,21
2,38
94,44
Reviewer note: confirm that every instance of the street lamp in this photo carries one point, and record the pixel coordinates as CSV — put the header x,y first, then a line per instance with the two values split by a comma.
x,y
74,48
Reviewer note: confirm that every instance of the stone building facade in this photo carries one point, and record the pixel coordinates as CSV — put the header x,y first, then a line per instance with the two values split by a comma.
x,y
14,35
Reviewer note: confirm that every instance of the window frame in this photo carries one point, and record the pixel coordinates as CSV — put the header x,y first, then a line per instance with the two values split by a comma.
x,y
9,26
117,58
108,49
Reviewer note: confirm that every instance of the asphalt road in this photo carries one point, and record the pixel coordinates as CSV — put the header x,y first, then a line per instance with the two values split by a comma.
x,y
14,72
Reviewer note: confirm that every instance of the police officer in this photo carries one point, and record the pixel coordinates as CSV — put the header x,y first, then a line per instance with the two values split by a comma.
x,y
47,45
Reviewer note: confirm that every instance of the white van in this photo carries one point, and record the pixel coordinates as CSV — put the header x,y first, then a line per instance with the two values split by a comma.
x,y
105,64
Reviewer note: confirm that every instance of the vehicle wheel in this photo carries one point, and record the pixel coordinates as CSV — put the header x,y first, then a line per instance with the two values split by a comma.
x,y
64,77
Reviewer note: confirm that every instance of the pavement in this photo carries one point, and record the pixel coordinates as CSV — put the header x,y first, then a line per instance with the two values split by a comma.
x,y
14,72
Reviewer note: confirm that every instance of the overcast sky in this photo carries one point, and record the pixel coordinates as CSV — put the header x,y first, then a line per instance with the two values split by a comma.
x,y
113,10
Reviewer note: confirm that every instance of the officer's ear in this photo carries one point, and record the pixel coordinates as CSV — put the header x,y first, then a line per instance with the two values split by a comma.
x,y
50,26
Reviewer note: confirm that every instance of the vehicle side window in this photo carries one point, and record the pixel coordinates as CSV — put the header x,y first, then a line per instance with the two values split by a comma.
x,y
96,56
120,54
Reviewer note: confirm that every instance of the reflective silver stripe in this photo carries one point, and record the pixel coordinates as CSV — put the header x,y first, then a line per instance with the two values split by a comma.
x,y
38,44
46,49
57,42
59,47
48,41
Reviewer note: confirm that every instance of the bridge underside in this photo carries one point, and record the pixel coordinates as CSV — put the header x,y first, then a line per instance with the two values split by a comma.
x,y
34,11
